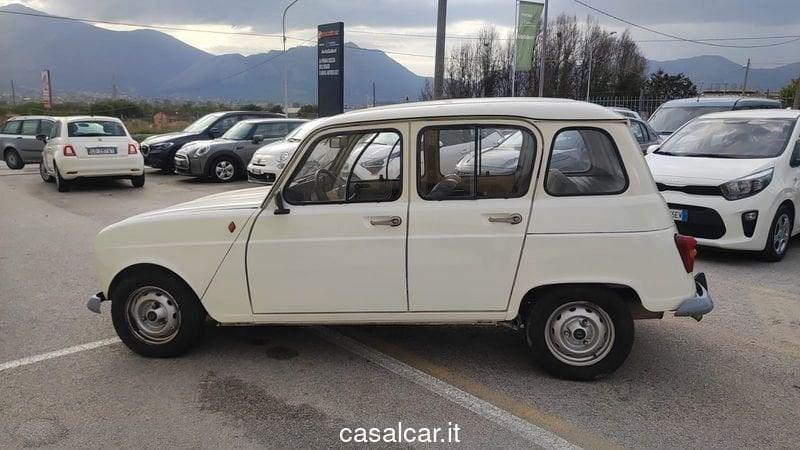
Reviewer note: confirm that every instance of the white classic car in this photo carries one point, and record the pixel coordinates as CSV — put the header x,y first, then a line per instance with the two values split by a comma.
x,y
563,253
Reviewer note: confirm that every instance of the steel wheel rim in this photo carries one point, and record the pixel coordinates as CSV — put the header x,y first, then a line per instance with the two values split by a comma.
x,y
782,232
224,170
153,315
579,333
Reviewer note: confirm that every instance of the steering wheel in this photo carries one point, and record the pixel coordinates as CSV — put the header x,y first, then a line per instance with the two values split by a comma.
x,y
323,182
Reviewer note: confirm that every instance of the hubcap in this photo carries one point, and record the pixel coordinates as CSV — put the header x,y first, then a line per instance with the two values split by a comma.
x,y
224,170
579,333
153,315
782,233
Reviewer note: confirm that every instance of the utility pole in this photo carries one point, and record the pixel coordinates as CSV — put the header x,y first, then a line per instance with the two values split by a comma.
x,y
285,77
113,86
13,94
373,95
438,69
796,103
543,53
746,75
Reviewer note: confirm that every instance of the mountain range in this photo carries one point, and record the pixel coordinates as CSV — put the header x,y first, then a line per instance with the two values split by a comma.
x,y
145,63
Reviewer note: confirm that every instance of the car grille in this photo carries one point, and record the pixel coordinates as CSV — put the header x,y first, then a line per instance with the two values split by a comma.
x,y
265,177
693,190
702,222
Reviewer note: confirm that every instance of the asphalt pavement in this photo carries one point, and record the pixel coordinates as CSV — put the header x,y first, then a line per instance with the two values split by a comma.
x,y
732,380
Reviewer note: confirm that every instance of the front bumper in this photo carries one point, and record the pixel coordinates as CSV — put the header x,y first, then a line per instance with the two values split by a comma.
x,y
262,174
156,157
699,304
185,165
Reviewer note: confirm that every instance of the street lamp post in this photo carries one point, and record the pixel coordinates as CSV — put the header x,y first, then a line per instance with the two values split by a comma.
x,y
285,78
589,75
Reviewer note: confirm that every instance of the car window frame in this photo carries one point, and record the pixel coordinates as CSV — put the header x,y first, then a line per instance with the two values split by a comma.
x,y
308,150
616,151
476,146
55,131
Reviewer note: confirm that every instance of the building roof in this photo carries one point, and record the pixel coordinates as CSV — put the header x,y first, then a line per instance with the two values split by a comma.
x,y
532,108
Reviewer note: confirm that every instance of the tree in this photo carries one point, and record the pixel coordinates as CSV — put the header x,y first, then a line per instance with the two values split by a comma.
x,y
788,91
663,85
276,109
308,112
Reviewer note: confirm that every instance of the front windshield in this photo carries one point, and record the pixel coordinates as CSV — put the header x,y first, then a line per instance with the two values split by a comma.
x,y
238,132
299,133
730,138
667,120
200,125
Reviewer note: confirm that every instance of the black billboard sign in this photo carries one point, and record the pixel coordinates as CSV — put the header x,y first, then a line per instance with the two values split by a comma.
x,y
330,68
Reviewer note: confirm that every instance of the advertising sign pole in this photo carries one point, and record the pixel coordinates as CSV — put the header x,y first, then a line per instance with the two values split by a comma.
x,y
330,69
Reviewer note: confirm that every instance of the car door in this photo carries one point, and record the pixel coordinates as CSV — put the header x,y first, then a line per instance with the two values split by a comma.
x,y
29,147
340,244
53,144
466,230
270,132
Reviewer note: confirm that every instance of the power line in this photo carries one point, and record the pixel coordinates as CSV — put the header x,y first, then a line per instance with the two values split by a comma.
x,y
679,38
744,38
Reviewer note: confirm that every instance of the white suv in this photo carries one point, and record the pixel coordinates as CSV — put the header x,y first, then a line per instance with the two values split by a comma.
x,y
90,147
732,179
562,246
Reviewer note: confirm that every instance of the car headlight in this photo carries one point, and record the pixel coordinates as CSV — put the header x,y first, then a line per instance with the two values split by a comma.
x,y
283,157
747,186
162,146
202,150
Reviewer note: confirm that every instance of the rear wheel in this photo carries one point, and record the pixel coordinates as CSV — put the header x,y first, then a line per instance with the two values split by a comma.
x,y
13,160
46,177
780,232
138,181
156,314
224,169
61,184
580,333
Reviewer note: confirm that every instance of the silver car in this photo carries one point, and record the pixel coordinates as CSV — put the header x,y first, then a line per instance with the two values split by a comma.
x,y
18,143
225,158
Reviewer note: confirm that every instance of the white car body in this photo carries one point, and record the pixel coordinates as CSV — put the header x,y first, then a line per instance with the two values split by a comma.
x,y
249,260
269,161
682,178
125,162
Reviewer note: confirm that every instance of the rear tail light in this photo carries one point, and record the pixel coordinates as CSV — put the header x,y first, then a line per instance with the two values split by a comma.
x,y
132,149
687,248
69,151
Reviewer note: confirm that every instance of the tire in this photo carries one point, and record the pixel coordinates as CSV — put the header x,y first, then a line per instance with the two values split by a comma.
x,y
138,181
224,169
590,351
13,160
780,232
46,177
172,317
61,184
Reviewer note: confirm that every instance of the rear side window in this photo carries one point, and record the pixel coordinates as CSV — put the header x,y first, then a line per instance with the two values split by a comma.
x,y
55,131
584,161
474,162
95,128
12,127
29,127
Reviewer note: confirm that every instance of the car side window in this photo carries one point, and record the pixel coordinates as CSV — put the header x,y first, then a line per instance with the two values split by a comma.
x,y
226,123
29,127
45,126
364,166
584,161
55,130
12,127
272,130
447,169
638,132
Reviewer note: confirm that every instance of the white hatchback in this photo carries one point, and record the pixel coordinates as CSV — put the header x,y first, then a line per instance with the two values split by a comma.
x,y
732,179
562,246
269,161
90,147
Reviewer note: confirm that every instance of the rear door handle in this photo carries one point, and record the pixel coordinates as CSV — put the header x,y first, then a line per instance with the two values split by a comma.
x,y
511,219
392,221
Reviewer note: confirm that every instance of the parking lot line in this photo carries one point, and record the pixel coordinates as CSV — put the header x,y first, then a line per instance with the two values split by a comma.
x,y
505,419
56,354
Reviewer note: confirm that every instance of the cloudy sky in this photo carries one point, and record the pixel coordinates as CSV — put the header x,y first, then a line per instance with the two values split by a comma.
x,y
695,19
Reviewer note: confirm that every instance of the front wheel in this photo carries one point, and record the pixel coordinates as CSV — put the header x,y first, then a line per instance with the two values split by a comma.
x,y
780,232
13,160
580,333
156,314
224,170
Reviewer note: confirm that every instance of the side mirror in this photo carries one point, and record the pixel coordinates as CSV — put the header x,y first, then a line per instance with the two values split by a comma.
x,y
214,133
795,161
42,137
653,148
257,139
280,208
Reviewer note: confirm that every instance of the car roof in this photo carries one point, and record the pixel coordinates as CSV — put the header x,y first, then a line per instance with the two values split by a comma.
x,y
717,101
532,108
30,118
273,119
755,114
263,113
74,118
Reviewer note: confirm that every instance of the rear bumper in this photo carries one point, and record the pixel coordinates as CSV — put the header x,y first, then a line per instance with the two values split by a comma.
x,y
699,304
128,166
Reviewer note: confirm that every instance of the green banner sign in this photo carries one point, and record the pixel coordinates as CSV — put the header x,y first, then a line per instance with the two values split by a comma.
x,y
527,29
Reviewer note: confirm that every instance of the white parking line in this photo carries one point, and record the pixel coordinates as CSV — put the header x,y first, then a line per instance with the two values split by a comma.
x,y
56,354
505,419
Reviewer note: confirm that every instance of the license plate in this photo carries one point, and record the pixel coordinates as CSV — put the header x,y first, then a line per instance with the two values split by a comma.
x,y
256,170
680,215
101,150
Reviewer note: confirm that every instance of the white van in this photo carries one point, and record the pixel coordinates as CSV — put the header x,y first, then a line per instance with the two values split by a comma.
x,y
562,246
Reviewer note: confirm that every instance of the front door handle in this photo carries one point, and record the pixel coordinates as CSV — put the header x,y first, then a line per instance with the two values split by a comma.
x,y
392,221
511,219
